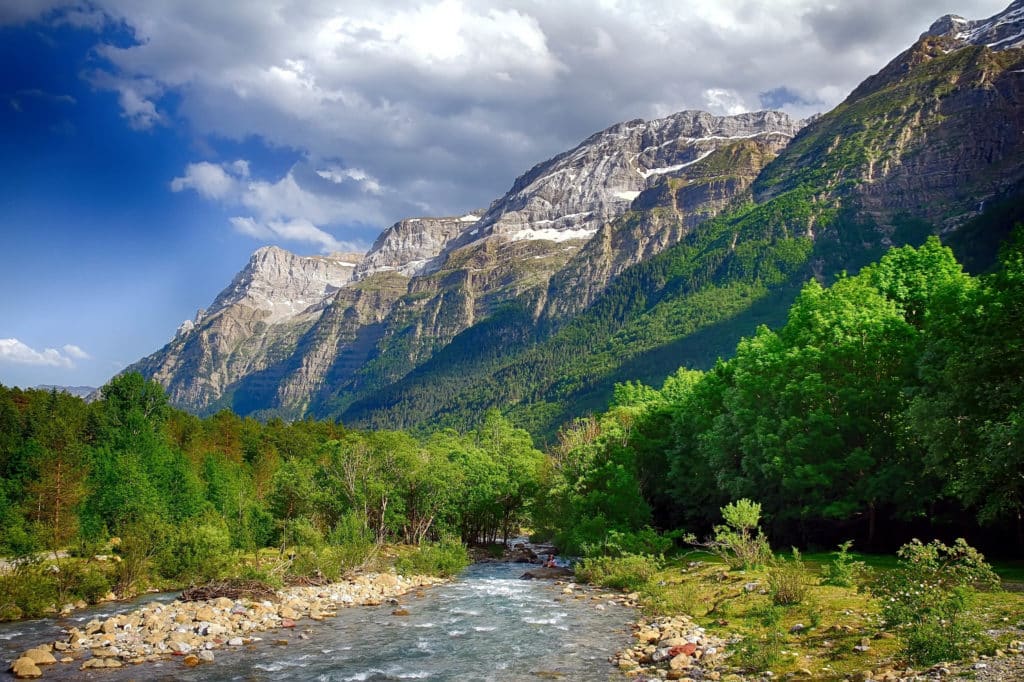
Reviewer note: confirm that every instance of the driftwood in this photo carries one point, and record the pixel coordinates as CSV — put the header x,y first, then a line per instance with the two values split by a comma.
x,y
232,589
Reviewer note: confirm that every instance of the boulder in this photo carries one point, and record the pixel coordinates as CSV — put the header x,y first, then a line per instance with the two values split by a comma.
x,y
25,669
40,656
543,573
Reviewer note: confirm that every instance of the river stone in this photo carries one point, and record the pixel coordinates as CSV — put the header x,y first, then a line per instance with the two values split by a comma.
x,y
679,662
205,613
25,668
40,656
206,656
236,641
191,661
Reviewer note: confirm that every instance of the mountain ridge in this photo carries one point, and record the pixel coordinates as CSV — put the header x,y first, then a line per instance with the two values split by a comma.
x,y
643,235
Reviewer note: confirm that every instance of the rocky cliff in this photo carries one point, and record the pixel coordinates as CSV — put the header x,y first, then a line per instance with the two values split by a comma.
x,y
291,333
649,245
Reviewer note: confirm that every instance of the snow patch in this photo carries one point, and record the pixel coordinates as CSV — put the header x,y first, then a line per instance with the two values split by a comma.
x,y
628,196
469,218
672,169
551,234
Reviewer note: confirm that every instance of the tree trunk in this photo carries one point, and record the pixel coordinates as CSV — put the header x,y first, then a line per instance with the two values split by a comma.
x,y
872,523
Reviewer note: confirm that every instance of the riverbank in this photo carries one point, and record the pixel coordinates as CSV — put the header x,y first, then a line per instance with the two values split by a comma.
x,y
704,622
193,630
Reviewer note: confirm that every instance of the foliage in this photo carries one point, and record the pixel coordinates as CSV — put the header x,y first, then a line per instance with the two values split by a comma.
x,y
739,542
930,595
787,581
197,553
445,558
629,572
843,570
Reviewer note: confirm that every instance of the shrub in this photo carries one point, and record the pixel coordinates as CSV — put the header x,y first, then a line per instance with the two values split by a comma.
x,y
762,653
445,559
619,543
843,571
631,572
929,597
197,553
736,542
352,541
27,591
787,581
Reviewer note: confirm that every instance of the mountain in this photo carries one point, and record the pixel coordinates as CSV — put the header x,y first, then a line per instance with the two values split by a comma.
x,y
652,244
933,143
77,391
292,334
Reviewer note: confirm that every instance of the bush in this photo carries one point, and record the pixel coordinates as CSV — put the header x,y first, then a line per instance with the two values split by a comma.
x,y
352,541
630,572
761,654
843,571
929,597
787,581
618,543
197,553
445,559
736,542
27,591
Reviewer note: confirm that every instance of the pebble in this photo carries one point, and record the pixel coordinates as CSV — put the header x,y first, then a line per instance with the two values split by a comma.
x,y
193,629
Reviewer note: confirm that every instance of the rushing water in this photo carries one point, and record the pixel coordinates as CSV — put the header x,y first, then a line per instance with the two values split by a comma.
x,y
487,625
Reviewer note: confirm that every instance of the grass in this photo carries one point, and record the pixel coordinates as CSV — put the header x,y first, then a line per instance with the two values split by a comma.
x,y
835,619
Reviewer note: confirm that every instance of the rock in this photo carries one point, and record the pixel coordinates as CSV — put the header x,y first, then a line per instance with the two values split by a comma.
x,y
40,656
235,641
796,629
191,661
544,573
205,613
25,668
206,656
287,623
679,662
399,612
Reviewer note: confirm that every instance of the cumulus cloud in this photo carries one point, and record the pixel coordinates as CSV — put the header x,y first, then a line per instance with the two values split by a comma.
x,y
287,209
444,102
73,351
210,180
14,351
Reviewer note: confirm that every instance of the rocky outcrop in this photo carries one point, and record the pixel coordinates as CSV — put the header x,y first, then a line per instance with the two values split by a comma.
x,y
574,194
1003,31
296,334
258,318
410,246
660,217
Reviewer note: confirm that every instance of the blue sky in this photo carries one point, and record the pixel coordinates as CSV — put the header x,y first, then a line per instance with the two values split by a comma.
x,y
148,148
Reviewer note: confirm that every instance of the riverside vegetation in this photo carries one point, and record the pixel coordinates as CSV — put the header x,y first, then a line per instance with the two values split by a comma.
x,y
888,405
170,499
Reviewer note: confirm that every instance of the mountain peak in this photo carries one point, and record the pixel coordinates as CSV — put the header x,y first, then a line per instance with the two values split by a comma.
x,y
1002,31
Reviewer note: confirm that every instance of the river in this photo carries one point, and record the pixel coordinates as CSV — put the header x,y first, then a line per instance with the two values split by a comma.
x,y
486,625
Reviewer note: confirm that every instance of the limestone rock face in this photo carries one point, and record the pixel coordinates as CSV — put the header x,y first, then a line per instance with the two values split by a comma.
x,y
571,196
292,334
263,312
1003,31
410,246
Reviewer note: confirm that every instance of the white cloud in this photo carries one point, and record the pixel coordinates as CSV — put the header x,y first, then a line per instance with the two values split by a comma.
x,y
14,351
443,102
140,112
209,179
286,209
73,351
720,100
